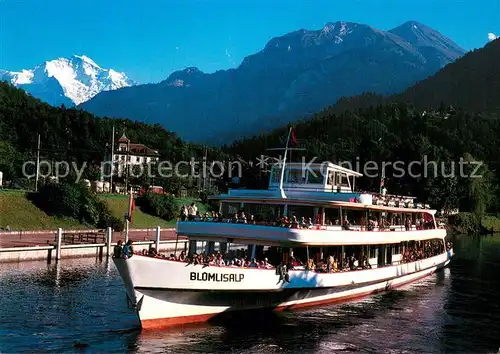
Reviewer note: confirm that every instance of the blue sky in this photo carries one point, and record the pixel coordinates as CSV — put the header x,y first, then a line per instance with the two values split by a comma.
x,y
151,39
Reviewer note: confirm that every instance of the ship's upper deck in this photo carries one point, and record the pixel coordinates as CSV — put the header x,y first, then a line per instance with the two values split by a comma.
x,y
324,177
318,183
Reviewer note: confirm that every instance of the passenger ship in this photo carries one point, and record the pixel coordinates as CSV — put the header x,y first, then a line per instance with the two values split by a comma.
x,y
342,245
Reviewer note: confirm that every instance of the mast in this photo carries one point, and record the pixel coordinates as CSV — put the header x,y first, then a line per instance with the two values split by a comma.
x,y
128,214
284,164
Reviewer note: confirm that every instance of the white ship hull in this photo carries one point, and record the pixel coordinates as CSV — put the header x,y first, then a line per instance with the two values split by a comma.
x,y
166,293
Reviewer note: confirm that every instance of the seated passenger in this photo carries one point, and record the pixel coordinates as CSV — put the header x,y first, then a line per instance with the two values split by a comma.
x,y
267,264
329,264
310,223
117,250
254,264
407,224
295,263
182,256
242,219
196,259
365,263
310,264
211,260
346,225
128,250
220,261
295,223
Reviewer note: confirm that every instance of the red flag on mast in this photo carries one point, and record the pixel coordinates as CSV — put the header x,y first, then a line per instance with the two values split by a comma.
x,y
131,207
293,140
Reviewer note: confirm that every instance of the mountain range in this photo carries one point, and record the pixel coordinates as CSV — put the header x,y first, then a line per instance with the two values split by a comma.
x,y
392,131
294,76
471,83
68,81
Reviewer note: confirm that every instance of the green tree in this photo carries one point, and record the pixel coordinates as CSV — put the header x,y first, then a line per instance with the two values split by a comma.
x,y
8,159
478,187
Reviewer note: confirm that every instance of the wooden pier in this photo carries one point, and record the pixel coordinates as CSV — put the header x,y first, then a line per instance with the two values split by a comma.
x,y
87,243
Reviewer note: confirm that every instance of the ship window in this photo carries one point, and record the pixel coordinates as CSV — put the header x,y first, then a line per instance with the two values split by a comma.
x,y
229,209
294,176
342,179
331,177
373,251
314,177
275,175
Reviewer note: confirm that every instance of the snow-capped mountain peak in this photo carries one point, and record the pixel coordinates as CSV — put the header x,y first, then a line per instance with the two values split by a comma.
x,y
22,77
86,59
70,81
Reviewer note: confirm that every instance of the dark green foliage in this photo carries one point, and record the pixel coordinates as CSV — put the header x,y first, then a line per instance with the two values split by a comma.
x,y
115,223
400,132
471,83
8,159
160,205
469,223
464,223
77,202
74,135
58,200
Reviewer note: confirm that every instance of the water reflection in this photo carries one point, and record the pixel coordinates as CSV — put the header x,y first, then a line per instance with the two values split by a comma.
x,y
473,310
80,305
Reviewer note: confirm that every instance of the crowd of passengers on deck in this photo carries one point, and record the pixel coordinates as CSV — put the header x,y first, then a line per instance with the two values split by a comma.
x,y
423,249
305,222
411,252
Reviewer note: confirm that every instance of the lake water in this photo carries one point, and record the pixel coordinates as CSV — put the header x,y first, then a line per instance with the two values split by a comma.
x,y
80,306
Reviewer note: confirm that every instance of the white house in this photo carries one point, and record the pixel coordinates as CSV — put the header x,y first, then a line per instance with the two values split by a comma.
x,y
132,154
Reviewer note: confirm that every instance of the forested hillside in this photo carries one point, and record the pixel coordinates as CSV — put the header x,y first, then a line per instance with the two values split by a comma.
x,y
471,83
72,135
400,132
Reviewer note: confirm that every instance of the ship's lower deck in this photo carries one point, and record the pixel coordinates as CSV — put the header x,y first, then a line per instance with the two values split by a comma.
x,y
160,307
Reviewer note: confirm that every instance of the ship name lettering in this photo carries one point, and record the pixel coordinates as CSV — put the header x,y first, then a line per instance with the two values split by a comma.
x,y
224,278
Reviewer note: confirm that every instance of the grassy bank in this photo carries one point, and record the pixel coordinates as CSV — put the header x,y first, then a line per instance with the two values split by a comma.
x,y
118,204
19,213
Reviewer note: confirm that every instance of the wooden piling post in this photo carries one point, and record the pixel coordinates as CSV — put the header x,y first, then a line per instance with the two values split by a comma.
x,y
109,233
157,243
58,244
